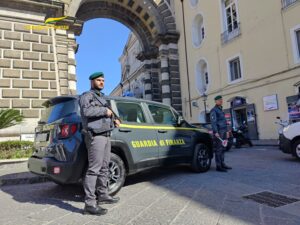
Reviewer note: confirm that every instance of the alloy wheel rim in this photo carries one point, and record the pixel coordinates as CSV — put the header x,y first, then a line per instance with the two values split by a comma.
x,y
203,158
114,174
298,150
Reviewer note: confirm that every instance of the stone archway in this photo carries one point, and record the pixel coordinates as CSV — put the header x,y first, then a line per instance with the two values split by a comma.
x,y
154,25
37,64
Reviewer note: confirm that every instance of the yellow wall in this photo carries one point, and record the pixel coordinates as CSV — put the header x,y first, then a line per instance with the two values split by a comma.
x,y
265,48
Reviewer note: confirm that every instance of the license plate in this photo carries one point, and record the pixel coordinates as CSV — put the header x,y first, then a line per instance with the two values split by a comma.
x,y
41,137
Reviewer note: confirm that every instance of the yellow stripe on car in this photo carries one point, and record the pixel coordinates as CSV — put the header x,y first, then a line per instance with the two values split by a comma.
x,y
122,125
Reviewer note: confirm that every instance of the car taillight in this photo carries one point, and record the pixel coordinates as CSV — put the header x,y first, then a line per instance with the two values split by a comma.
x,y
66,130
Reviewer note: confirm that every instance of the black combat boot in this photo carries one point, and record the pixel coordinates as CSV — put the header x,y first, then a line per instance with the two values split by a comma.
x,y
221,169
107,200
226,167
94,210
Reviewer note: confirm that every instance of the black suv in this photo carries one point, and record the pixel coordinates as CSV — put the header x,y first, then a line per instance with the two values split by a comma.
x,y
152,134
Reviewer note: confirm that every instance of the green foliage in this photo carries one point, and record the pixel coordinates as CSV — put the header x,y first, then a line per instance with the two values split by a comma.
x,y
9,117
15,149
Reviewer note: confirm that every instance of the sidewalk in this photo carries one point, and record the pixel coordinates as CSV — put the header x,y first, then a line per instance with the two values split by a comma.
x,y
265,142
13,172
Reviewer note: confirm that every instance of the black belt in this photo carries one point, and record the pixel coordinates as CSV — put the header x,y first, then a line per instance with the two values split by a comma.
x,y
105,134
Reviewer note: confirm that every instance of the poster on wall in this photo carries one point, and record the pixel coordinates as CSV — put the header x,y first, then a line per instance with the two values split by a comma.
x,y
293,103
270,102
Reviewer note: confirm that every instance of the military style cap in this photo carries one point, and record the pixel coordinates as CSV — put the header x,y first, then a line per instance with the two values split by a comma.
x,y
96,75
218,97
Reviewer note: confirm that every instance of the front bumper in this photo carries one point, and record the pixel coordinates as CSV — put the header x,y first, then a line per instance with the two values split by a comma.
x,y
285,144
45,166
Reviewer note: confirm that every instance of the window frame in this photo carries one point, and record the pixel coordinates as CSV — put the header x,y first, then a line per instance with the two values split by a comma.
x,y
224,15
229,60
296,43
164,107
115,107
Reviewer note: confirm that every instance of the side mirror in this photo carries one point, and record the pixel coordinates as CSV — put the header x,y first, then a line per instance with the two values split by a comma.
x,y
180,120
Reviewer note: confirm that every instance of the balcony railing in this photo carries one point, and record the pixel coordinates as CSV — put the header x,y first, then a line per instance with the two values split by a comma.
x,y
227,36
287,3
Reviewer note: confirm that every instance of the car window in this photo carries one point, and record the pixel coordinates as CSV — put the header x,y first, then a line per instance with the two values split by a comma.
x,y
58,111
130,112
162,115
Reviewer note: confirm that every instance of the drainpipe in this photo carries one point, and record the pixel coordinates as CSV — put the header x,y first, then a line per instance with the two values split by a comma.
x,y
186,59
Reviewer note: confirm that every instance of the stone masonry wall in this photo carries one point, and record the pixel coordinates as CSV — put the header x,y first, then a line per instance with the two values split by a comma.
x,y
28,73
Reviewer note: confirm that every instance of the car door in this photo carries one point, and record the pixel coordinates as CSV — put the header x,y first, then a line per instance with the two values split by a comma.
x,y
175,142
133,131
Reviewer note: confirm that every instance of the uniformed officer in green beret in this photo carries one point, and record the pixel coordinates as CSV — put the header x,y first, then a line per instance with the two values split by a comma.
x,y
220,131
98,122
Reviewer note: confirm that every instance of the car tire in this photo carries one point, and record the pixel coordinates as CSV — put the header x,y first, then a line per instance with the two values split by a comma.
x,y
201,159
296,149
117,174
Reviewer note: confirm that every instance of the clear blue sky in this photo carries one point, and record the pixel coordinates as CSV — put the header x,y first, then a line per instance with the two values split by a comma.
x,y
101,44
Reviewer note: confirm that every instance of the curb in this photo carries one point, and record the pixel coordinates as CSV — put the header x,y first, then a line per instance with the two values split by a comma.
x,y
11,161
24,180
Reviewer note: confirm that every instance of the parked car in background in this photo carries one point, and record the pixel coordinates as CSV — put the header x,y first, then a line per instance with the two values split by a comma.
x,y
290,139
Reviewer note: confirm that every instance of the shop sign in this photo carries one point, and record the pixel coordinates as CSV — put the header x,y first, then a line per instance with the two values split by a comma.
x,y
270,102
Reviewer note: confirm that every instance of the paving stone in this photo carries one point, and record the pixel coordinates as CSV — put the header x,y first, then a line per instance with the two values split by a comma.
x,y
5,83
48,75
47,57
47,39
37,103
21,27
53,85
49,94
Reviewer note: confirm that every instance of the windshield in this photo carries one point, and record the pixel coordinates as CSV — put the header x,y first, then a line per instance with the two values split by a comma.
x,y
58,111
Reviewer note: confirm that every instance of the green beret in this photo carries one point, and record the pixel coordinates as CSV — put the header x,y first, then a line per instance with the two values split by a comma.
x,y
96,75
218,97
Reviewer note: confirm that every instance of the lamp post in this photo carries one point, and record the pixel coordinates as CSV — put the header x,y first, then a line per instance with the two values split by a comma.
x,y
204,100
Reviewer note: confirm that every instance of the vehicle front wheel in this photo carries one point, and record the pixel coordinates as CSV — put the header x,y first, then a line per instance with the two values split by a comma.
x,y
296,149
201,160
117,174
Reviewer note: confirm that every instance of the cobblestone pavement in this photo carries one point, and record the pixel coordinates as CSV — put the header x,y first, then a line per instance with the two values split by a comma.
x,y
171,196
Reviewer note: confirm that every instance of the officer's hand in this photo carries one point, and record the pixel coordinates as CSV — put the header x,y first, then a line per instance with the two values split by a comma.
x,y
109,112
117,123
217,135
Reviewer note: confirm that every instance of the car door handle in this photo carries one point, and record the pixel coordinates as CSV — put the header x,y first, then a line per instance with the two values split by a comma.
x,y
162,131
124,130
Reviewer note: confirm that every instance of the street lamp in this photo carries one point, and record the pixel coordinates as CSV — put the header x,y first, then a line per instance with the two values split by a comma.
x,y
204,96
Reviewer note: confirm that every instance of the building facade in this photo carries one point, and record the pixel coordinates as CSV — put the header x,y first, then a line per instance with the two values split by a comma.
x,y
247,51
133,72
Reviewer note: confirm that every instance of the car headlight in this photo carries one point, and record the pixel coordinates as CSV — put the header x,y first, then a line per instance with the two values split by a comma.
x,y
285,129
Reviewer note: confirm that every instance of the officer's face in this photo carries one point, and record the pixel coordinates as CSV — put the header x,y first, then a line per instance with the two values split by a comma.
x,y
219,102
98,83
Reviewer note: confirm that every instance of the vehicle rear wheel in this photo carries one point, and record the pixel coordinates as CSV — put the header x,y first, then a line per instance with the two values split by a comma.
x,y
117,174
296,149
201,160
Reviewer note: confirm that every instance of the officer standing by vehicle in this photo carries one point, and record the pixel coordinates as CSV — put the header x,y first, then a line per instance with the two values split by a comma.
x,y
98,122
220,130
